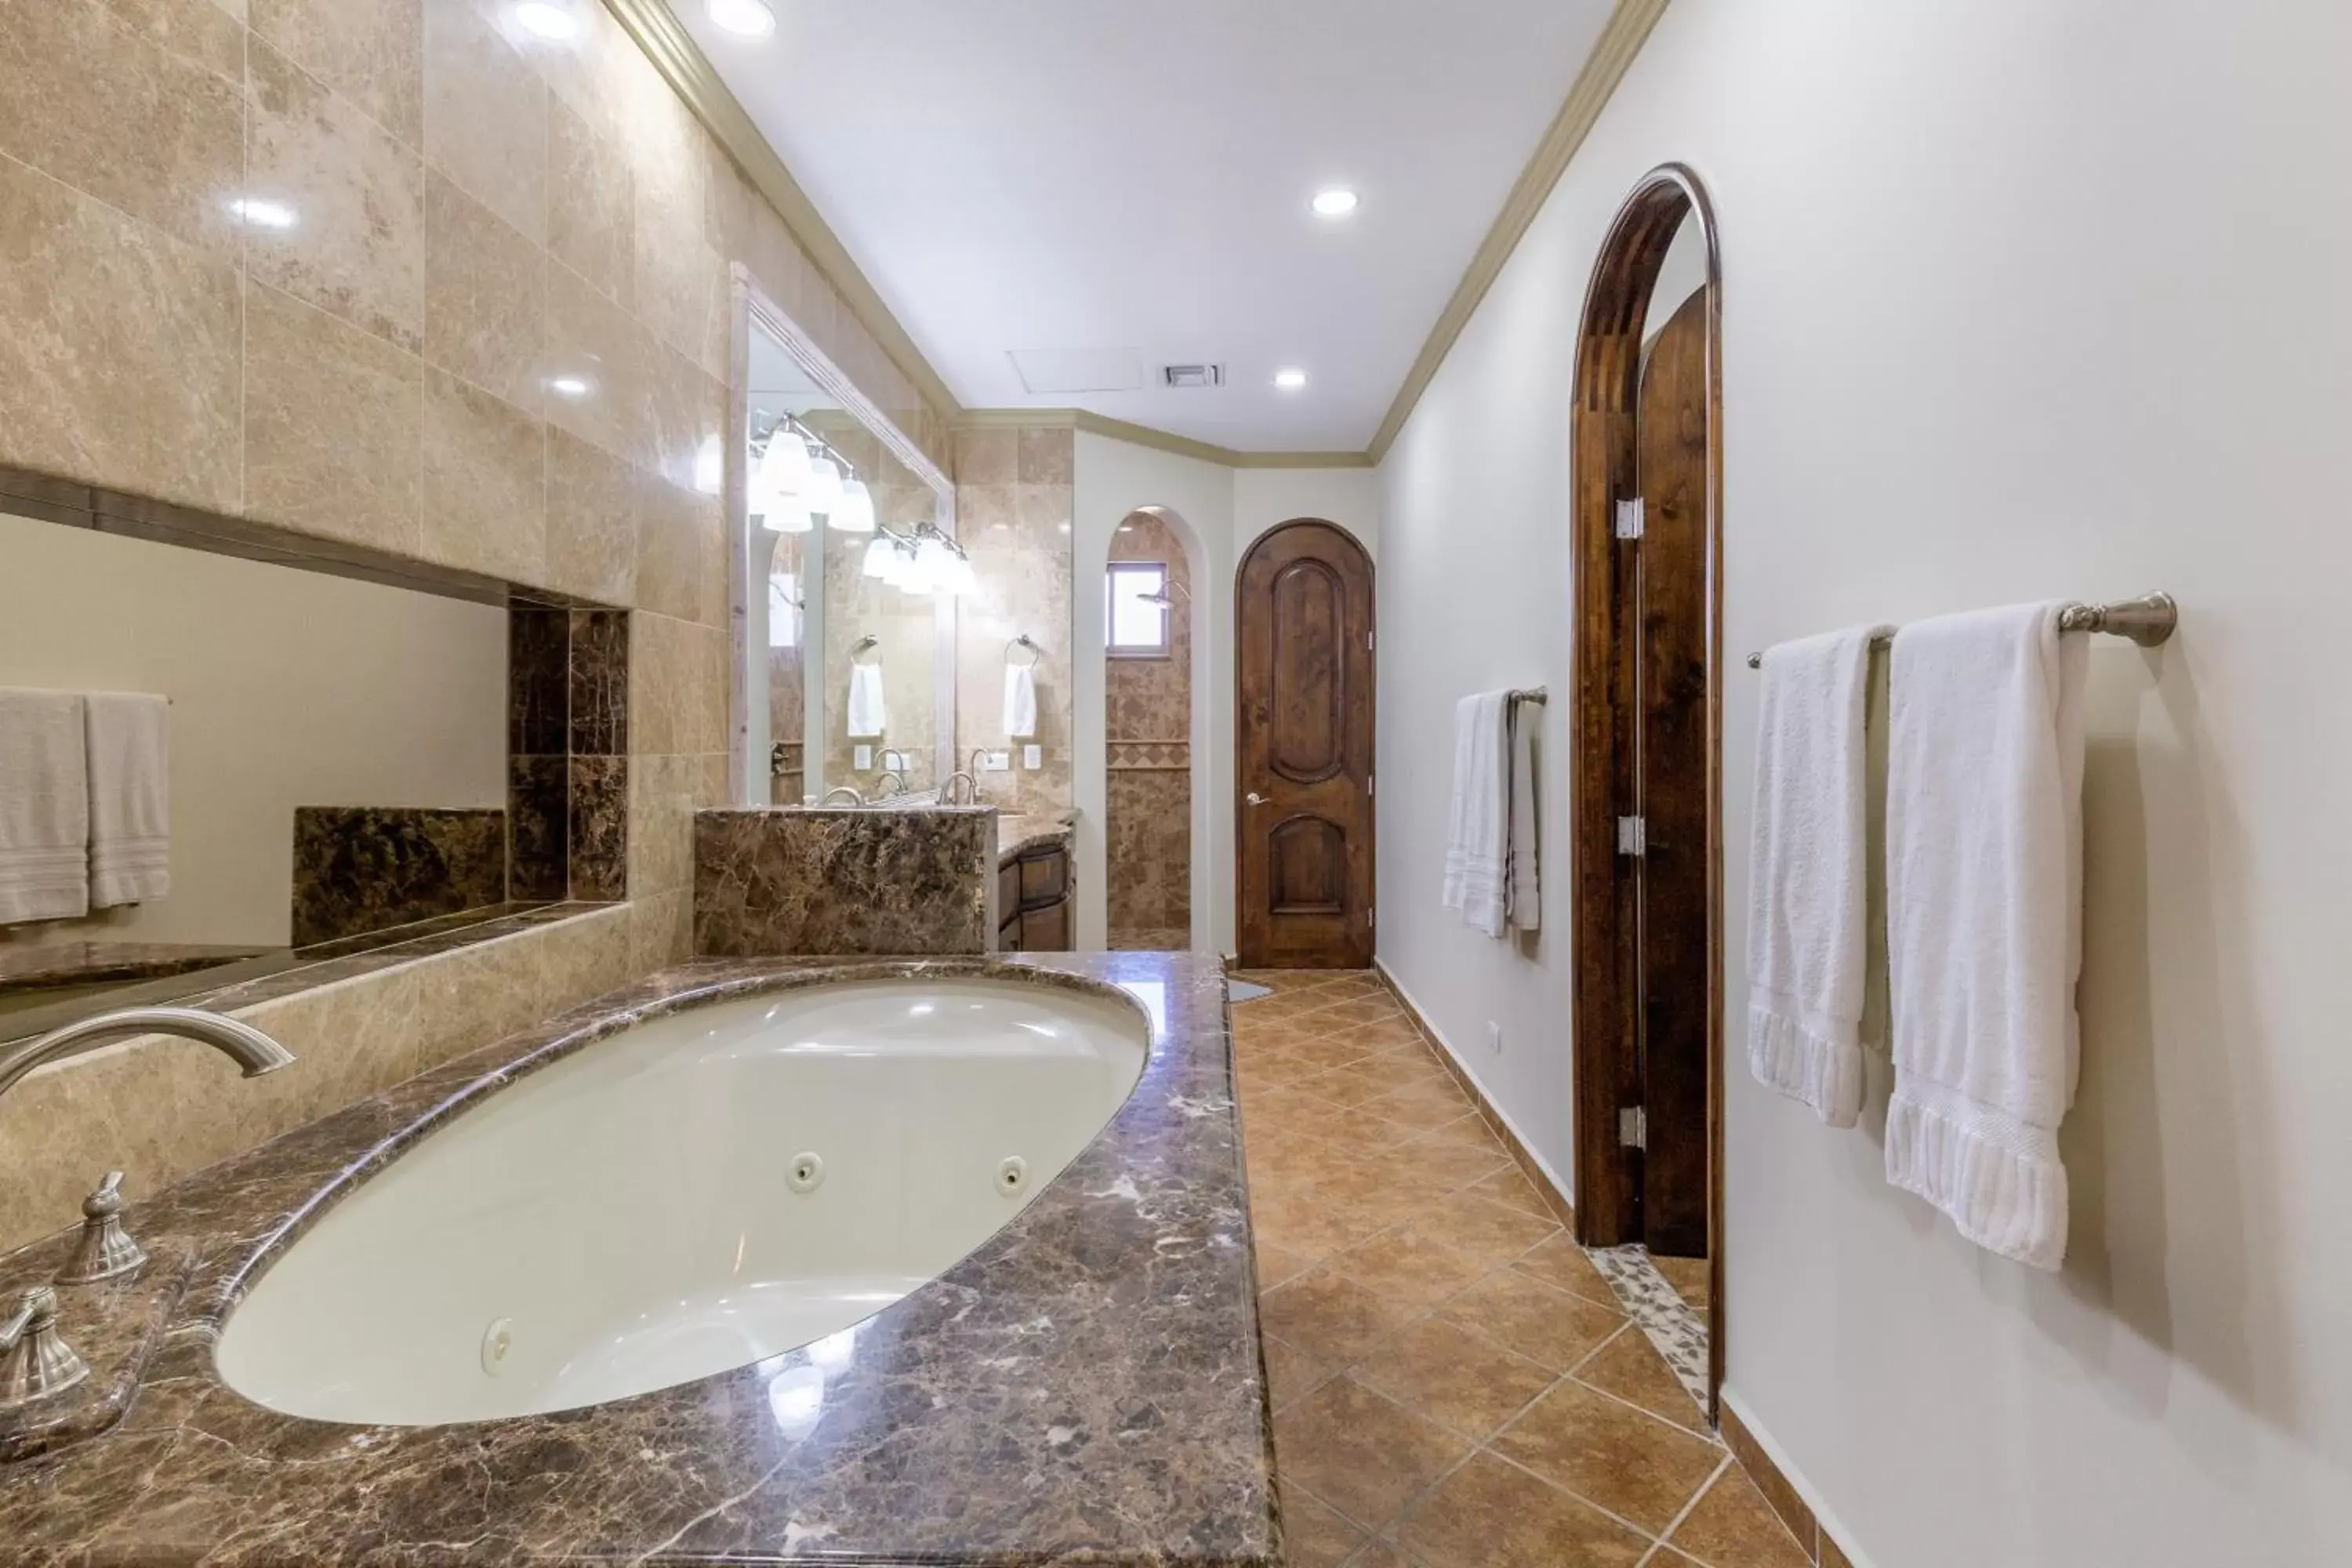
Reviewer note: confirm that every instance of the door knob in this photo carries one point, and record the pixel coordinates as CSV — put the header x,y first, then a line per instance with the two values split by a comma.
x,y
1254,798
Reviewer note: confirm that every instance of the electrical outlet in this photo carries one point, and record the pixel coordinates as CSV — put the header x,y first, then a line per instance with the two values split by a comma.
x,y
1033,757
1494,1036
995,762
862,757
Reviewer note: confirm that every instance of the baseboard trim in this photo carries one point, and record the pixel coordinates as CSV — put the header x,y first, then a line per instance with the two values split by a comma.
x,y
1789,1496
1546,1181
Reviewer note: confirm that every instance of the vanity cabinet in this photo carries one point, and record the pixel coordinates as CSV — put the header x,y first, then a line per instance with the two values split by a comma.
x,y
1034,895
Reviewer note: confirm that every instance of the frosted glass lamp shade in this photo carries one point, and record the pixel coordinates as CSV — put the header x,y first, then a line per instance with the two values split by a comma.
x,y
855,512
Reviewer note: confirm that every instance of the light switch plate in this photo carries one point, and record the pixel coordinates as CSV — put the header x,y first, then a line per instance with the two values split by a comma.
x,y
995,762
1033,757
864,757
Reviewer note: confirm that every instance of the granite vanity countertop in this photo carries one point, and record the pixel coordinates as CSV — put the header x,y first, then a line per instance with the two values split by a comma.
x,y
1017,832
1086,1387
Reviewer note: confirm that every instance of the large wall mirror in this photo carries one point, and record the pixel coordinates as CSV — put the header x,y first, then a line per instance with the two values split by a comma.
x,y
848,572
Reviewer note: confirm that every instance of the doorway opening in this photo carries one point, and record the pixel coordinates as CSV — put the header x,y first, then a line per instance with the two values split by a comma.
x,y
1148,729
1303,821
1647,837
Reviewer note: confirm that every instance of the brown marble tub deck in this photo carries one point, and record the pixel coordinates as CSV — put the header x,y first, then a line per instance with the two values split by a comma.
x,y
1086,1387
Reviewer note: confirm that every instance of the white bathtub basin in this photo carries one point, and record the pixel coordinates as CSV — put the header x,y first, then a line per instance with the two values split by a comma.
x,y
631,1217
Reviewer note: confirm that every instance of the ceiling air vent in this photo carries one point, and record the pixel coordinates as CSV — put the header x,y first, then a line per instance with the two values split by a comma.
x,y
1192,375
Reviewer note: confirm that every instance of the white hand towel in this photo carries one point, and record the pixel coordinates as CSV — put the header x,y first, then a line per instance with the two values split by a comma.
x,y
1020,701
1984,904
1806,887
44,807
1525,896
130,797
867,714
1476,877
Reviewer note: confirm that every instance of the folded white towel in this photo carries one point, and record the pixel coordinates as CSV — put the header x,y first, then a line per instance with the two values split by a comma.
x,y
1984,894
1020,701
44,807
1478,821
130,797
1526,894
1807,887
867,714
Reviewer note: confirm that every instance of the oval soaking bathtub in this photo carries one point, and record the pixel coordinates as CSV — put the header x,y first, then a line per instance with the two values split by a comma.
x,y
695,1192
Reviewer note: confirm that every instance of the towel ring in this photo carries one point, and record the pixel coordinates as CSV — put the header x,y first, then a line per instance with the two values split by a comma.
x,y
1035,653
863,644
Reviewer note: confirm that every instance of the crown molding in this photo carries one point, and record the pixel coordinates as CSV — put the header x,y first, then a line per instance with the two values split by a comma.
x,y
683,65
1620,40
1161,440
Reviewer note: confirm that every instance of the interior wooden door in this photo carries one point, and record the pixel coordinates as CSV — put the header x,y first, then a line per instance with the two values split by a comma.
x,y
1671,748
1303,766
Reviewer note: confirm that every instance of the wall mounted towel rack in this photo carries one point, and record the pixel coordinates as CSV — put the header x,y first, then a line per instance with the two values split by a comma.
x,y
861,645
1531,694
1035,653
2148,620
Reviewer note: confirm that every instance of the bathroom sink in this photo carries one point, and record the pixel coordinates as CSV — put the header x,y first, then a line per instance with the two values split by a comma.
x,y
696,1192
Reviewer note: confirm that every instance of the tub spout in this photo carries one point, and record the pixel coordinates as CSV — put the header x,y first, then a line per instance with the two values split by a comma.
x,y
247,1047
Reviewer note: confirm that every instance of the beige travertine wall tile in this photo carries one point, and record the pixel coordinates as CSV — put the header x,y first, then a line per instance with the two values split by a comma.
x,y
333,425
484,504
593,341
690,414
677,686
592,520
371,52
108,110
662,931
208,33
1018,533
486,123
119,348
591,206
678,545
357,244
663,793
987,456
485,297
681,281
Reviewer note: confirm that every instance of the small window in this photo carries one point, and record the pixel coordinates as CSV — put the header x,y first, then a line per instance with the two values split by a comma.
x,y
783,610
1137,611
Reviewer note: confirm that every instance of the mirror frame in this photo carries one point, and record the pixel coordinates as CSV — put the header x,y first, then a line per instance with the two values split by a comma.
x,y
748,766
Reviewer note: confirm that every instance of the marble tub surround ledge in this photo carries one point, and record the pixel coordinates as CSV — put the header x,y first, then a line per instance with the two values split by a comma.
x,y
1020,832
1084,1386
802,879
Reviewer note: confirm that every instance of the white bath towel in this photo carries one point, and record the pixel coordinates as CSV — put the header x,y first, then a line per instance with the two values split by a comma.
x,y
44,807
1984,893
1020,701
867,714
1524,903
130,797
1479,823
1807,885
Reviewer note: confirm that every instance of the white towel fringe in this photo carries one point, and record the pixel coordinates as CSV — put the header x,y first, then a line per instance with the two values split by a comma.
x,y
2000,1179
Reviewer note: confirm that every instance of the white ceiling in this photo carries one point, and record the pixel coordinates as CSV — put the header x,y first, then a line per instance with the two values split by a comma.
x,y
1101,182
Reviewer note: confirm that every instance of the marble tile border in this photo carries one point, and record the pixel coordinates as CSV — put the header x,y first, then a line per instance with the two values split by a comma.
x,y
783,880
363,870
568,751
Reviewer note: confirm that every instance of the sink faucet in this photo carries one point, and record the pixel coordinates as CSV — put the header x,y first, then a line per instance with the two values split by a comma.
x,y
251,1049
891,782
855,798
971,789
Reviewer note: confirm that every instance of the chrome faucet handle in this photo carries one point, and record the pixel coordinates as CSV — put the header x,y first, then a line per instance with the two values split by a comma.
x,y
39,1361
105,1250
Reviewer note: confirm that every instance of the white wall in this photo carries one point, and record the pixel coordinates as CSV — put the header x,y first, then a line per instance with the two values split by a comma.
x,y
288,688
1985,340
1216,510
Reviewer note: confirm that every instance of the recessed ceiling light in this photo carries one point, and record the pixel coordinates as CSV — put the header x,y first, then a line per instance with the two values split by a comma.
x,y
569,387
547,19
1335,203
262,213
1290,380
751,18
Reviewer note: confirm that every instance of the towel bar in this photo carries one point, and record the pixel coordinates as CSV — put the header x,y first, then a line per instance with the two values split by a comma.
x,y
2148,620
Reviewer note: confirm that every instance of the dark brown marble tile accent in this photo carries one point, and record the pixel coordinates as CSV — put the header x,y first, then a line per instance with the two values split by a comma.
x,y
539,815
539,656
1135,1434
27,967
364,869
795,880
600,683
599,828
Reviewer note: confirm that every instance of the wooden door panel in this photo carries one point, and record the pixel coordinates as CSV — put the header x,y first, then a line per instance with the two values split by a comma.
x,y
1304,756
1671,671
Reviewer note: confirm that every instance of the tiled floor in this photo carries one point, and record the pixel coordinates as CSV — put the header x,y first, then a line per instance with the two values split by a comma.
x,y
1454,1384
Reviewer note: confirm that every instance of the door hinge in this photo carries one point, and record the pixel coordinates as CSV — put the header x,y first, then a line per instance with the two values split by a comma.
x,y
1367,641
1633,1127
1632,837
1370,780
1633,518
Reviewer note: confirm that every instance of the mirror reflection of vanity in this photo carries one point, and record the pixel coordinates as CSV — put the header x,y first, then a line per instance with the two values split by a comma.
x,y
851,571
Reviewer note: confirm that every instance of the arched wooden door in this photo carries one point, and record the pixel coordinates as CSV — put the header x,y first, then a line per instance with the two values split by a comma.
x,y
1303,765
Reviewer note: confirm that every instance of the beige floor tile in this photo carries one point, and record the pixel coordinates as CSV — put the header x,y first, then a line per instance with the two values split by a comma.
x,y
1460,1379
1637,1466
1629,1368
1363,1454
1558,1260
1275,1266
1486,1231
1313,1536
1380,1554
1408,1267
1330,1316
1733,1527
1510,1187
1292,1374
1540,1322
1490,1514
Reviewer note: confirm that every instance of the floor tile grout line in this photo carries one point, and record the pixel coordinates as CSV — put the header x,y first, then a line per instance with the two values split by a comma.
x,y
1665,1537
